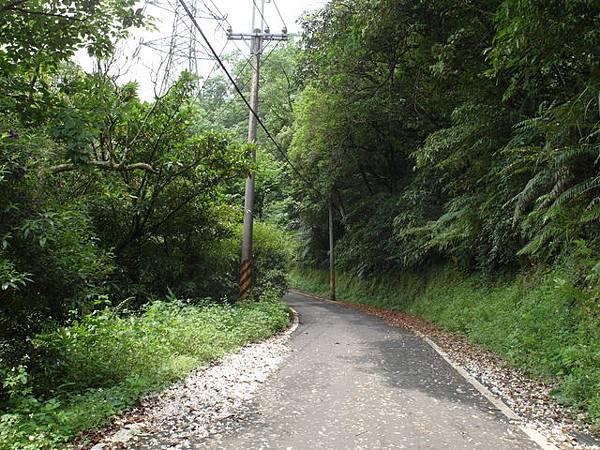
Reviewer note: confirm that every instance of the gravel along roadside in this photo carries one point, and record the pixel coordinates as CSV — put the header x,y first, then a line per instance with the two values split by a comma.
x,y
200,405
210,402
529,399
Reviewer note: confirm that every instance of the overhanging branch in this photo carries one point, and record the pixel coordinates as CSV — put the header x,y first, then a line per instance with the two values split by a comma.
x,y
12,5
106,165
44,13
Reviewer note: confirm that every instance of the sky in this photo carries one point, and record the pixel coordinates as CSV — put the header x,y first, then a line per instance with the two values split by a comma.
x,y
144,56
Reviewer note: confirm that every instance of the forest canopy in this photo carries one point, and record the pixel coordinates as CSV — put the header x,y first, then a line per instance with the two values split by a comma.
x,y
452,131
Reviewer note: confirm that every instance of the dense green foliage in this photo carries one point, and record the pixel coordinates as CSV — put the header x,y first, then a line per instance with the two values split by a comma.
x,y
451,130
107,203
446,133
107,360
539,323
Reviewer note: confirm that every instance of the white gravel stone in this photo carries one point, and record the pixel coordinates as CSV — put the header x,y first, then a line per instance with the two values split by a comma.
x,y
201,405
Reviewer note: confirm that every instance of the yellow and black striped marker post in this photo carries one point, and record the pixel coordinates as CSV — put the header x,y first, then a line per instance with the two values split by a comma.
x,y
245,279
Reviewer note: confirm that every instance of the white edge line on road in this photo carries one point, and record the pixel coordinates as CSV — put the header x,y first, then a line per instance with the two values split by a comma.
x,y
529,430
295,323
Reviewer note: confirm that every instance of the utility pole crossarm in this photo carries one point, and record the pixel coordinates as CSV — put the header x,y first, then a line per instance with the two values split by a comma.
x,y
250,36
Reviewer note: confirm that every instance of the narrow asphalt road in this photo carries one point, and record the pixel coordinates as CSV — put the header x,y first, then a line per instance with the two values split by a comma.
x,y
354,382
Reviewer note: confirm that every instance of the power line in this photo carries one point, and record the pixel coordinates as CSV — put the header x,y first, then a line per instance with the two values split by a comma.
x,y
239,92
238,77
214,67
271,52
224,17
246,64
262,16
221,15
280,16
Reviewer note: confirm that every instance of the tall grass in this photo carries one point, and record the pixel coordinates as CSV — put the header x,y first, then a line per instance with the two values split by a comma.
x,y
541,324
95,368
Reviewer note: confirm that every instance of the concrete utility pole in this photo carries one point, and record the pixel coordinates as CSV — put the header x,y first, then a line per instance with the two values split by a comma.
x,y
258,36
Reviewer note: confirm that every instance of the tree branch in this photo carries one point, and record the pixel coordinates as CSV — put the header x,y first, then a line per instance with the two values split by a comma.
x,y
43,13
12,5
106,165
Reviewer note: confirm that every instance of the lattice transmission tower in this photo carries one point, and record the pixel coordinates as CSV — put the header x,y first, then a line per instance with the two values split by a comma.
x,y
182,49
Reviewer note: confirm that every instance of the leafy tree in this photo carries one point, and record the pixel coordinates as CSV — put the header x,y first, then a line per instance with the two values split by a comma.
x,y
449,131
106,197
37,36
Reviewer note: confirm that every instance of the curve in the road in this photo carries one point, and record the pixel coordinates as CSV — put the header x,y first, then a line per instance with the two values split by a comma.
x,y
354,382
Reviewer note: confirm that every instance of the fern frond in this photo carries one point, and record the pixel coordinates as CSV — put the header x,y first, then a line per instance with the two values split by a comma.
x,y
530,192
567,154
577,190
535,245
561,180
592,213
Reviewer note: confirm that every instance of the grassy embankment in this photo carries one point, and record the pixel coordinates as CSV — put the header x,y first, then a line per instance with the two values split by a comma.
x,y
99,366
540,323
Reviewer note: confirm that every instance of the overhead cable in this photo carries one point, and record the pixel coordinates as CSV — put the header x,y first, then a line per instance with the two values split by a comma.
x,y
239,92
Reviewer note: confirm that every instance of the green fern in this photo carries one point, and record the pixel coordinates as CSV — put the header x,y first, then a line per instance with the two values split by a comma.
x,y
577,191
592,213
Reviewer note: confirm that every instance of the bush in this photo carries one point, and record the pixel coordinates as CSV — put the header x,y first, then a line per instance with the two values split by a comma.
x,y
50,258
272,250
98,366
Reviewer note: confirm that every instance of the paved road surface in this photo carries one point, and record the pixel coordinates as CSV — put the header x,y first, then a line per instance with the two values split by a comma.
x,y
354,382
